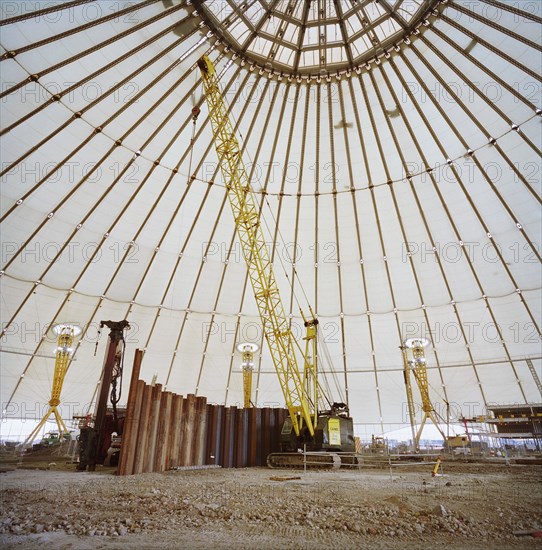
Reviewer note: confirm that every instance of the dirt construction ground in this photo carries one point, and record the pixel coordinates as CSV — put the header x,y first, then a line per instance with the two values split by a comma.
x,y
472,506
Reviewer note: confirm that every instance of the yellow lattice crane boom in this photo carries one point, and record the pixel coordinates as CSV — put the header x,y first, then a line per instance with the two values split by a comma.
x,y
276,326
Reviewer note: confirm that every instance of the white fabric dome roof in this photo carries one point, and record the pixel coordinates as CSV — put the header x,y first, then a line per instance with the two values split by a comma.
x,y
404,184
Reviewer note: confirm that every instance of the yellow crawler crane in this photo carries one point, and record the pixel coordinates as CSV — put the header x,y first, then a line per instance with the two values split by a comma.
x,y
328,430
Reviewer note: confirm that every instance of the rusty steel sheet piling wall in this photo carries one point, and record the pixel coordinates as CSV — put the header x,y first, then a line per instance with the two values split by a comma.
x,y
167,431
216,416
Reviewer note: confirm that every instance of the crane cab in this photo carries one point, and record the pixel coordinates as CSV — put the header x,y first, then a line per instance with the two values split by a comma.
x,y
334,432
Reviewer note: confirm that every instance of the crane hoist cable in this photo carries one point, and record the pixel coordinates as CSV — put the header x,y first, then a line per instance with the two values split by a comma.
x,y
320,340
326,355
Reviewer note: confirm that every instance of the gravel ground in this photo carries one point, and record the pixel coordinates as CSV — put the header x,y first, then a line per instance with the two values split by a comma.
x,y
472,506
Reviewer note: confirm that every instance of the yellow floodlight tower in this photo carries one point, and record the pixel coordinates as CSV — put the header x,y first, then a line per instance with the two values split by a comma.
x,y
248,350
65,333
417,365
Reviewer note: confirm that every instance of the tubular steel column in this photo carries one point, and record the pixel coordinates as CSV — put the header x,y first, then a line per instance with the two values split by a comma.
x,y
162,435
215,448
252,437
128,447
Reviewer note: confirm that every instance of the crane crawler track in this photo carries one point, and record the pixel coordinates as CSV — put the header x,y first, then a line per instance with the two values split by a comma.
x,y
313,461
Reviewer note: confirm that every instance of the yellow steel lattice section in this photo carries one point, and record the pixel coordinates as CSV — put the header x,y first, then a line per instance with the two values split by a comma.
x,y
65,340
247,387
420,373
247,220
248,365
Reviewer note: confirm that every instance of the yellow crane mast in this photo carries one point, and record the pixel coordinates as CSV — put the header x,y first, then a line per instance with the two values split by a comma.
x,y
276,325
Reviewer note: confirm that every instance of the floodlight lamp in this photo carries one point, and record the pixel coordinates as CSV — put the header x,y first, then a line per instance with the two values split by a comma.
x,y
60,328
417,343
247,347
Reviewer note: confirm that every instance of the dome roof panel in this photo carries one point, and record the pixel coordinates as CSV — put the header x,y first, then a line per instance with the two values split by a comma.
x,y
369,130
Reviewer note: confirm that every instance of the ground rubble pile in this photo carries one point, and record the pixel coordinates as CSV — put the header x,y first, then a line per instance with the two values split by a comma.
x,y
151,503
